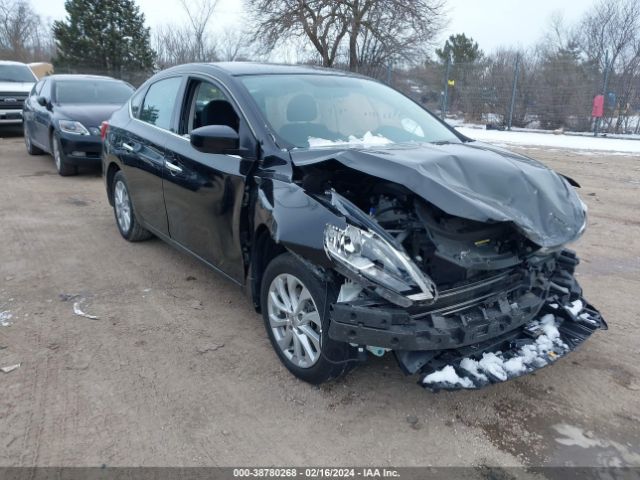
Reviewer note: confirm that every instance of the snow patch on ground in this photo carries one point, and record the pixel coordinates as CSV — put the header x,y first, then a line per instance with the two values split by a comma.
x,y
572,142
368,140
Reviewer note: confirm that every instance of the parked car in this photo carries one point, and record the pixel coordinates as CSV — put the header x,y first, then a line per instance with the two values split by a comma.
x,y
63,114
357,221
16,81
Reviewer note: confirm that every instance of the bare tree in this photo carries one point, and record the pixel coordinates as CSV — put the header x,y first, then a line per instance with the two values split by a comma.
x,y
384,31
364,32
233,44
22,34
610,40
191,42
199,13
321,22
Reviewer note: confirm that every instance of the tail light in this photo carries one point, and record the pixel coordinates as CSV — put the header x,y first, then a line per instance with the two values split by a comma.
x,y
104,127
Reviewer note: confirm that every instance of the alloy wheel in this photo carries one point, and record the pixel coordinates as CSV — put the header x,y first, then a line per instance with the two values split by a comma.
x,y
122,206
57,157
27,139
294,320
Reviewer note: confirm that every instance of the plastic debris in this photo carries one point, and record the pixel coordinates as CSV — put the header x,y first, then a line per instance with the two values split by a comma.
x,y
80,313
209,348
10,368
4,318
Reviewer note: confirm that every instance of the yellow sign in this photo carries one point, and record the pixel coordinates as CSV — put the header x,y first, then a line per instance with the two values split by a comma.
x,y
451,83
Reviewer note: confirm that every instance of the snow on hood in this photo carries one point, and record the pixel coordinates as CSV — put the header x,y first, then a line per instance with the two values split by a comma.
x,y
474,181
368,140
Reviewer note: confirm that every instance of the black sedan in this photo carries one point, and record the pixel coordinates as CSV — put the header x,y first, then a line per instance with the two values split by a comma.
x,y
63,114
358,223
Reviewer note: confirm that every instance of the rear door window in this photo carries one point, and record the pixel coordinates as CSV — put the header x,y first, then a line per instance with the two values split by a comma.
x,y
158,106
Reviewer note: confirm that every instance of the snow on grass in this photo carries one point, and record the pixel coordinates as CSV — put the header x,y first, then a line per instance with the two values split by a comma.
x,y
572,142
368,140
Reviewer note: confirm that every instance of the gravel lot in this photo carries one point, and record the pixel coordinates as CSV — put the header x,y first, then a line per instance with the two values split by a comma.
x,y
178,369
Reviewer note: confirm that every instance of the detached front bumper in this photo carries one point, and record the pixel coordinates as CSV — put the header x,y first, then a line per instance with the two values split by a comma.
x,y
560,329
495,317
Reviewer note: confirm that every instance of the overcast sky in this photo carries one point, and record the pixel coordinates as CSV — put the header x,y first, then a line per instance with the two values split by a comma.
x,y
492,23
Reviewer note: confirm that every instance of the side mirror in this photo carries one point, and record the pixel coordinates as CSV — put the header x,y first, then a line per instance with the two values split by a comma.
x,y
215,139
42,101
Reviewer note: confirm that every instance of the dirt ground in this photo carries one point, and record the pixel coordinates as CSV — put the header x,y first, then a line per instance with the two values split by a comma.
x,y
178,369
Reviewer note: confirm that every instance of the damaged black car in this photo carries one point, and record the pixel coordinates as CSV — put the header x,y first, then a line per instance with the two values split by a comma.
x,y
358,223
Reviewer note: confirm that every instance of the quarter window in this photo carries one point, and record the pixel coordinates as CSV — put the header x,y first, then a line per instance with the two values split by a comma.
x,y
157,108
136,102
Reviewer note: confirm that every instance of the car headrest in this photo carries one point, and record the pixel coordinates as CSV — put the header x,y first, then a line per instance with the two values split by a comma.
x,y
219,112
302,108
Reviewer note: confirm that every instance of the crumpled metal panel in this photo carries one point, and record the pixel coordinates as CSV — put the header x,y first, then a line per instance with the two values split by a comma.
x,y
474,181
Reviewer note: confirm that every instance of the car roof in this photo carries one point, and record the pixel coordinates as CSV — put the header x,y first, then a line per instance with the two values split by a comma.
x,y
11,62
74,76
255,68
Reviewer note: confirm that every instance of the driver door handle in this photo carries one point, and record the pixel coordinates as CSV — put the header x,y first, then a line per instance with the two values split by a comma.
x,y
173,168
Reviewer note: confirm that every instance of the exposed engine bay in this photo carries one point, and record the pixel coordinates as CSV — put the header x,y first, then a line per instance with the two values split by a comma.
x,y
493,288
450,250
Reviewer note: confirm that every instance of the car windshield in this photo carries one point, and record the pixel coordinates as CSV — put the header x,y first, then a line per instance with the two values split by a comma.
x,y
92,91
313,111
16,73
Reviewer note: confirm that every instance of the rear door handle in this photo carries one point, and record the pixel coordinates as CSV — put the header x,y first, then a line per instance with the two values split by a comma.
x,y
173,168
128,148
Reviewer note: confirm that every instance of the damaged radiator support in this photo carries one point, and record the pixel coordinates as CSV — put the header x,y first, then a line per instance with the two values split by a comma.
x,y
524,318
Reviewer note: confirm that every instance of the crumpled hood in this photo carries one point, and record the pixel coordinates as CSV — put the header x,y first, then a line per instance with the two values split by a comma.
x,y
474,181
88,115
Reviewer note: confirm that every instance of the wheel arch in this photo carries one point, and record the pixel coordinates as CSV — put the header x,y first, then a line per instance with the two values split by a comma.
x,y
112,169
264,249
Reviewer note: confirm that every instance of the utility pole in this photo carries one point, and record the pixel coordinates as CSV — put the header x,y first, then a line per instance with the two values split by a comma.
x,y
513,91
446,83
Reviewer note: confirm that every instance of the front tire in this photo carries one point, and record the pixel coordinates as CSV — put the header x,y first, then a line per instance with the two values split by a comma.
x,y
126,220
64,168
31,148
295,309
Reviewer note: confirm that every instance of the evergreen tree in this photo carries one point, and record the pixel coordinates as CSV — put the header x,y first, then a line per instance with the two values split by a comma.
x,y
103,36
463,49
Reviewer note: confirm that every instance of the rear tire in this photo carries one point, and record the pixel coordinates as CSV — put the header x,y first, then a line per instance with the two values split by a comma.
x,y
31,148
295,309
64,168
126,220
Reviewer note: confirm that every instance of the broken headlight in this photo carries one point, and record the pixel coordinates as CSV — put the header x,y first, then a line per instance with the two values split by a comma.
x,y
366,253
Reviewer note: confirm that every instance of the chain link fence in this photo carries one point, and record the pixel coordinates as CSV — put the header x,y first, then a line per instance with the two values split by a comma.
x,y
514,91
506,91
